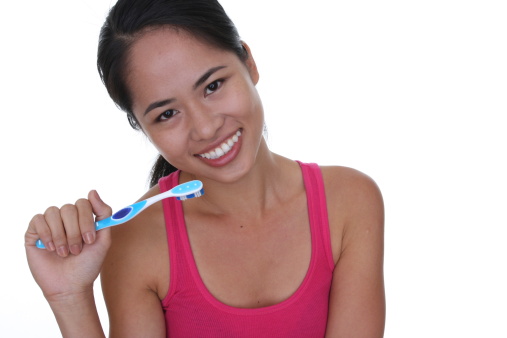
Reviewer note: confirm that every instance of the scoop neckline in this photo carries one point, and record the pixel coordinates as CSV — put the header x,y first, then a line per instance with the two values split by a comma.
x,y
210,298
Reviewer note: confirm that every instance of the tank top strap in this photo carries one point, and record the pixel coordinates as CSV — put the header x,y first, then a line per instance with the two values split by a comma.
x,y
317,209
175,226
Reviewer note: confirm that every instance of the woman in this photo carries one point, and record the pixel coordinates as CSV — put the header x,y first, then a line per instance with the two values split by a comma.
x,y
275,248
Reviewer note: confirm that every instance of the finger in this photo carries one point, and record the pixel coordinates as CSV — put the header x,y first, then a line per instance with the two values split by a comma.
x,y
69,215
55,223
38,228
86,221
100,209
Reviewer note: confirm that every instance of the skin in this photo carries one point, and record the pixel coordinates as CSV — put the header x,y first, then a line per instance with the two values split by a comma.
x,y
269,220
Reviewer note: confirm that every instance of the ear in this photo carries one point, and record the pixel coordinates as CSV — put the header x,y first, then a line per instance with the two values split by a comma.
x,y
250,64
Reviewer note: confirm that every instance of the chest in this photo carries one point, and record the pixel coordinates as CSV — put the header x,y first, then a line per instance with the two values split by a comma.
x,y
251,262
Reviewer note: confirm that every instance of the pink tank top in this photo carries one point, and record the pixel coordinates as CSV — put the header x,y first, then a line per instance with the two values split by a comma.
x,y
191,311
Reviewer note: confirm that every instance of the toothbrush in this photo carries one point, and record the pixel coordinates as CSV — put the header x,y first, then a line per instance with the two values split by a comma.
x,y
181,192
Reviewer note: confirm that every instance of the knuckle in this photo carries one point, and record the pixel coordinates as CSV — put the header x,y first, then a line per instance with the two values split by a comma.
x,y
74,238
66,208
82,202
37,219
39,225
39,228
68,212
44,233
45,236
59,239
52,211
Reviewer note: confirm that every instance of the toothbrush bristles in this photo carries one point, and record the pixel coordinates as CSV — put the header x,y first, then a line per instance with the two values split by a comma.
x,y
196,194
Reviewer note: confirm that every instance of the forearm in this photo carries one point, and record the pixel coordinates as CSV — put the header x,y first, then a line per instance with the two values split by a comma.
x,y
77,316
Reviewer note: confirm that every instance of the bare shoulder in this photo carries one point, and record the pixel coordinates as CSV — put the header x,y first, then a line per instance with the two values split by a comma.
x,y
355,205
356,221
351,188
356,218
347,178
136,243
135,274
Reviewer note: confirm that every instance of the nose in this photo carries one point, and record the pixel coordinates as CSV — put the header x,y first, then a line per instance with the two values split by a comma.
x,y
204,123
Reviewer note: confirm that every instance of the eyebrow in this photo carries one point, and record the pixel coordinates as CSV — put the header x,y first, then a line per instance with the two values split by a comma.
x,y
157,104
199,82
206,75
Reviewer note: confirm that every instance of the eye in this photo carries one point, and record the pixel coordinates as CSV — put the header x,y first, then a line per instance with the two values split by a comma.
x,y
167,114
213,86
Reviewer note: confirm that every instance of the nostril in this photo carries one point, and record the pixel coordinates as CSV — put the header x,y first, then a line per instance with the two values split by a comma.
x,y
206,126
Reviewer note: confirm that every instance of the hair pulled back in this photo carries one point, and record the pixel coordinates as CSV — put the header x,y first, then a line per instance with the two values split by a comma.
x,y
128,19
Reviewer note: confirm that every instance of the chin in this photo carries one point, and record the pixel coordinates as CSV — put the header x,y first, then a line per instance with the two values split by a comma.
x,y
231,173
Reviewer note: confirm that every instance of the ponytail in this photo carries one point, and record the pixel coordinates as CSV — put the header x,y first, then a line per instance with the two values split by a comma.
x,y
160,169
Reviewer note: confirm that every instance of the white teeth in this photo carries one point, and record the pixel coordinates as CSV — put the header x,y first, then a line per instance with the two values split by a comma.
x,y
223,149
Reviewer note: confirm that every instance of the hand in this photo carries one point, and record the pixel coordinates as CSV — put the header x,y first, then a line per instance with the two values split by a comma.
x,y
75,252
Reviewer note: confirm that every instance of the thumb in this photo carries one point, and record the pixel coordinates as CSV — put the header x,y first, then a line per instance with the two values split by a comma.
x,y
100,209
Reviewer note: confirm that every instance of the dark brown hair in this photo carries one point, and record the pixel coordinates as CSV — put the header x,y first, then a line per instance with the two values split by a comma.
x,y
127,19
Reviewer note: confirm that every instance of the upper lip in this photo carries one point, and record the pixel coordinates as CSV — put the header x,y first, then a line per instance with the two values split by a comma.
x,y
217,143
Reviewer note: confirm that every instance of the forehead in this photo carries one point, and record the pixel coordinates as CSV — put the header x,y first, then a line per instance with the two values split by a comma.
x,y
168,50
165,61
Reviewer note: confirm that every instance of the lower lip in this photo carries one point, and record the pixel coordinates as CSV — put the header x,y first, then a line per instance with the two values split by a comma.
x,y
227,158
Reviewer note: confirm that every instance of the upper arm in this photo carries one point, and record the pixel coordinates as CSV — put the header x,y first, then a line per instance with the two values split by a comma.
x,y
129,278
357,299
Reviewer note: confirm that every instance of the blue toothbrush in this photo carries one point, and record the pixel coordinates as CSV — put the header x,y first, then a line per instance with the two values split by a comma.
x,y
181,192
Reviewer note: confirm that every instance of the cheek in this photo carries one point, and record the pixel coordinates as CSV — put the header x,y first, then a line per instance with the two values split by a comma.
x,y
152,137
245,103
255,107
165,142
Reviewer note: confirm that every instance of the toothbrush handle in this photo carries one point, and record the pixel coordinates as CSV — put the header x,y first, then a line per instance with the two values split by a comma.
x,y
98,226
122,216
118,217
39,244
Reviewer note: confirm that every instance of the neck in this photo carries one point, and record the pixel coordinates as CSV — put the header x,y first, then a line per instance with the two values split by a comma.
x,y
269,182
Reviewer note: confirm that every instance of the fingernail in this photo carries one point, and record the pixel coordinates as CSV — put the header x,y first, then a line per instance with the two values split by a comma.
x,y
51,246
75,249
62,251
89,237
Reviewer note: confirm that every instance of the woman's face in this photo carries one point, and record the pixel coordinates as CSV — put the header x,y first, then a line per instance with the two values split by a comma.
x,y
196,103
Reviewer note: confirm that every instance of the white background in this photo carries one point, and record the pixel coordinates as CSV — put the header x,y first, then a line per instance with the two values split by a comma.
x,y
412,93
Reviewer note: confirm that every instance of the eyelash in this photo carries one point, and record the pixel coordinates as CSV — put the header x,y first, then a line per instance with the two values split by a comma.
x,y
217,84
163,116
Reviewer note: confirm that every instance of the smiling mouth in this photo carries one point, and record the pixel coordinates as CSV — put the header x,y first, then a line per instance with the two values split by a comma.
x,y
222,149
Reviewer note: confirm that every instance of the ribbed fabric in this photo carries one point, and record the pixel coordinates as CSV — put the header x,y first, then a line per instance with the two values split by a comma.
x,y
190,309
